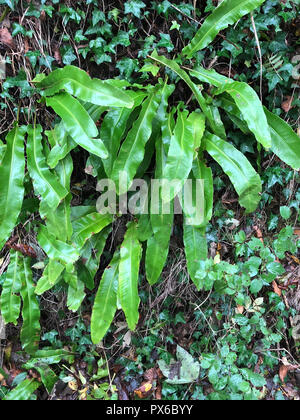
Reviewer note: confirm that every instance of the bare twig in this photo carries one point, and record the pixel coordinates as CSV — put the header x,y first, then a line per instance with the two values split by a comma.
x,y
260,55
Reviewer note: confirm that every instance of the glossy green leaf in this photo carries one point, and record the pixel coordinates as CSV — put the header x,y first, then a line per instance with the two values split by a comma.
x,y
30,332
56,249
244,178
89,225
90,257
105,304
2,150
23,391
112,131
180,156
76,292
51,276
227,13
49,356
206,109
61,143
11,180
78,83
45,183
78,123
204,173
10,299
133,148
195,248
198,125
161,220
130,257
285,142
245,98
113,128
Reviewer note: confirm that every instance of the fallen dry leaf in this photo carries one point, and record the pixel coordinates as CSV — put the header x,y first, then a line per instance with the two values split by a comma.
x,y
276,289
6,38
144,390
287,104
239,309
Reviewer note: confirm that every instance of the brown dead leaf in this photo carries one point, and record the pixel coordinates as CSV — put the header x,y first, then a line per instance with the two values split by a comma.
x,y
276,289
57,55
297,231
158,392
287,104
283,372
295,259
259,234
6,38
285,368
144,390
150,375
239,309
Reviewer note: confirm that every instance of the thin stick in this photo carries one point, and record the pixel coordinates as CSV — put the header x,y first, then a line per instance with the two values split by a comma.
x,y
260,55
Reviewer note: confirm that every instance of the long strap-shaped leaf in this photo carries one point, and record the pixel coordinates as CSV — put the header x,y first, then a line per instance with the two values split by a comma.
x,y
133,148
2,150
112,130
245,98
56,249
204,173
78,83
87,226
47,281
61,143
181,153
195,248
227,13
76,292
105,304
59,221
244,178
90,257
161,224
23,391
285,142
78,123
30,331
171,64
44,181
11,181
10,299
130,257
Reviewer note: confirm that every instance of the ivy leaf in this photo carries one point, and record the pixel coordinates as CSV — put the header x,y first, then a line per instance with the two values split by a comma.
x,y
134,7
184,371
